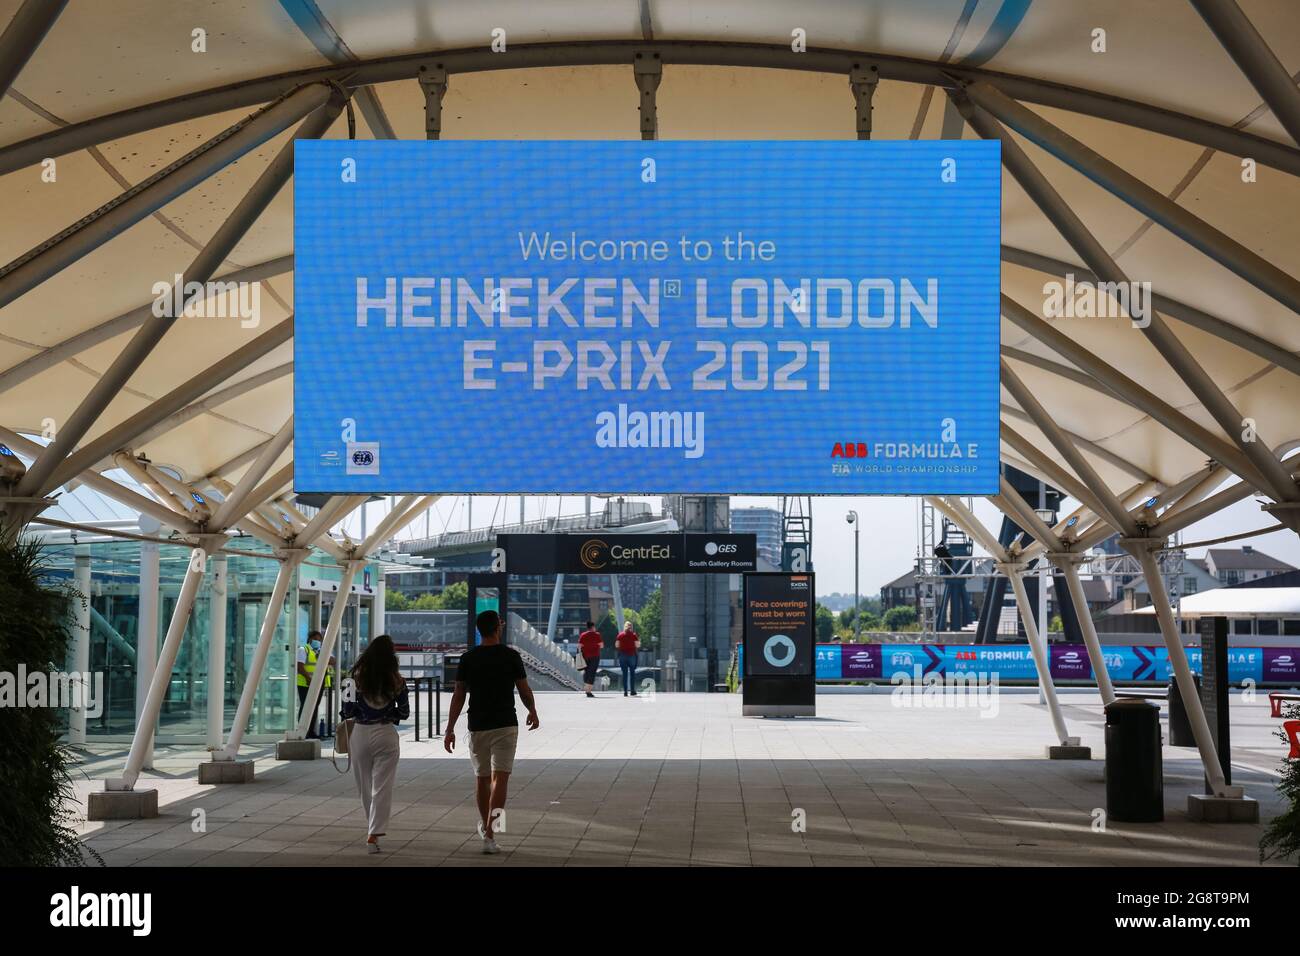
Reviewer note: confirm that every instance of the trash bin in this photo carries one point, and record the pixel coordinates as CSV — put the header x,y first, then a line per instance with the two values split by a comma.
x,y
1180,728
1135,785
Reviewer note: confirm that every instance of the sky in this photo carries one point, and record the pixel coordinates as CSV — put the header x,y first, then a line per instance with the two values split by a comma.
x,y
889,536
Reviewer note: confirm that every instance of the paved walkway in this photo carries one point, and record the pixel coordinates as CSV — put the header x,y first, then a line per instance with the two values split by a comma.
x,y
684,779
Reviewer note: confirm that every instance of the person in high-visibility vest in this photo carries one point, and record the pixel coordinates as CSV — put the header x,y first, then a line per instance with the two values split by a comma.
x,y
308,654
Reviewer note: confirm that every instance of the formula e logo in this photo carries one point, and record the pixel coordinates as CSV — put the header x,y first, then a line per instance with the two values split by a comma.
x,y
363,458
850,449
594,554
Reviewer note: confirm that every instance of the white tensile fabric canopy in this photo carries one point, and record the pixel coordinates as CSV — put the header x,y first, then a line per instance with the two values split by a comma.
x,y
728,71
1154,143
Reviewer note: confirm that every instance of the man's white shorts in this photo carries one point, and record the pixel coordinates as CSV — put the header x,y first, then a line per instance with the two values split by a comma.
x,y
493,751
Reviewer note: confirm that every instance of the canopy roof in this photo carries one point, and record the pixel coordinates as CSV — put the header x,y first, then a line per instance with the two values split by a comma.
x,y
1164,102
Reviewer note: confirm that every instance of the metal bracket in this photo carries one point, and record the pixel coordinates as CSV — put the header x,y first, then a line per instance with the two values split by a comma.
x,y
648,71
433,81
863,81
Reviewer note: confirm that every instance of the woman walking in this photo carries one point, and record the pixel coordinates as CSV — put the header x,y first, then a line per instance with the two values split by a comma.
x,y
378,703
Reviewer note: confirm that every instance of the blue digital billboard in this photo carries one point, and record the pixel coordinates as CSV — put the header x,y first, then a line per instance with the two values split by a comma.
x,y
647,317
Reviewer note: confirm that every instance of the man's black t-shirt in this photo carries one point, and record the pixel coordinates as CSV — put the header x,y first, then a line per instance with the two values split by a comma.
x,y
489,672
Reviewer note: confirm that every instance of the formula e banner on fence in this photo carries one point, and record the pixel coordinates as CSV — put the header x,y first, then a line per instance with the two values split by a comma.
x,y
1128,663
654,317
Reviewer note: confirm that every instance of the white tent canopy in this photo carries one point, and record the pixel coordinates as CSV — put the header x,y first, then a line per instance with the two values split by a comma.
x,y
1239,602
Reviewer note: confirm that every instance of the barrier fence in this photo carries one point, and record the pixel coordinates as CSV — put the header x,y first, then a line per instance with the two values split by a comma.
x,y
1014,664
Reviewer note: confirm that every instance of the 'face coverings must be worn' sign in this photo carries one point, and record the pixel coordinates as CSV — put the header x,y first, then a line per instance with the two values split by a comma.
x,y
653,317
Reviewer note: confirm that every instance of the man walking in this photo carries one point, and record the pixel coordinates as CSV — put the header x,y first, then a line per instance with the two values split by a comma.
x,y
490,674
591,644
628,644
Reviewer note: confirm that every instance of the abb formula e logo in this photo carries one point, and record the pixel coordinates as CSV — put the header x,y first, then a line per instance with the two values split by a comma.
x,y
848,449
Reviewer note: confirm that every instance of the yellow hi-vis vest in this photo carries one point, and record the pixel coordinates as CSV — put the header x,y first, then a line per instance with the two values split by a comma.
x,y
304,680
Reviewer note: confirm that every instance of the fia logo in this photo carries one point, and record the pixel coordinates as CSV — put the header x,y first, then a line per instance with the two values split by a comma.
x,y
362,458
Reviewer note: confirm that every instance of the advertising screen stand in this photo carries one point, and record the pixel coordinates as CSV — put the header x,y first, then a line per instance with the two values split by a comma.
x,y
780,676
487,592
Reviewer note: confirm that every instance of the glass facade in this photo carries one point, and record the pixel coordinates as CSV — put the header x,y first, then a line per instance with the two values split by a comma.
x,y
115,602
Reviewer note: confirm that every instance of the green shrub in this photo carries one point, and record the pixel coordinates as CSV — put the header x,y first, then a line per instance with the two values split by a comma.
x,y
35,628
1282,838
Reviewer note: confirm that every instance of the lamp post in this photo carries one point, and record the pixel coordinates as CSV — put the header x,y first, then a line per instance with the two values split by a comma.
x,y
852,518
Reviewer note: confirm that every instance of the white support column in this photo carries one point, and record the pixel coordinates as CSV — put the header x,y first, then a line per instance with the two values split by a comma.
x,y
144,728
377,606
618,600
217,650
1144,549
146,645
350,569
289,562
1013,567
1068,563
554,619
1038,648
80,645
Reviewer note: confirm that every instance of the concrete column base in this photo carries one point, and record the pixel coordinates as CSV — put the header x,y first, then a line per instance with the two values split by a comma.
x,y
122,804
297,750
226,771
1070,752
1207,808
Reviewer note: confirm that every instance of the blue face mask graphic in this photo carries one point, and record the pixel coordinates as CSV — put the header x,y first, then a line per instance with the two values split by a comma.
x,y
315,646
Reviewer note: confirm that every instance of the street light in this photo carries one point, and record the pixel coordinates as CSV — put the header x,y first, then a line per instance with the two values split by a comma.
x,y
852,518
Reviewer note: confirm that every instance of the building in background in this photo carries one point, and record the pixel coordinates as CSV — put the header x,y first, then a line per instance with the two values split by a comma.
x,y
899,592
765,525
1240,565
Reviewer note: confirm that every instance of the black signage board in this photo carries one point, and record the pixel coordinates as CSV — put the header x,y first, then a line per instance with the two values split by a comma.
x,y
600,553
780,678
721,553
1214,689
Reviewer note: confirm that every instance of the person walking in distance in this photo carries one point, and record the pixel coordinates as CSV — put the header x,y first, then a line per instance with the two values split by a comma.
x,y
378,703
490,674
628,644
591,644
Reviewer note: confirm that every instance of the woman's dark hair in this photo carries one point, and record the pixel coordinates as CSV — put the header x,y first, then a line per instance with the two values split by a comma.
x,y
376,670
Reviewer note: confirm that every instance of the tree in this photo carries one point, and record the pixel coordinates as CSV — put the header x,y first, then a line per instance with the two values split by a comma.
x,y
652,618
608,625
396,601
454,597
825,623
899,618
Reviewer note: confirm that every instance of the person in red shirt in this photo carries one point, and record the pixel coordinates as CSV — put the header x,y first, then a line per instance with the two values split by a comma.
x,y
628,644
592,644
